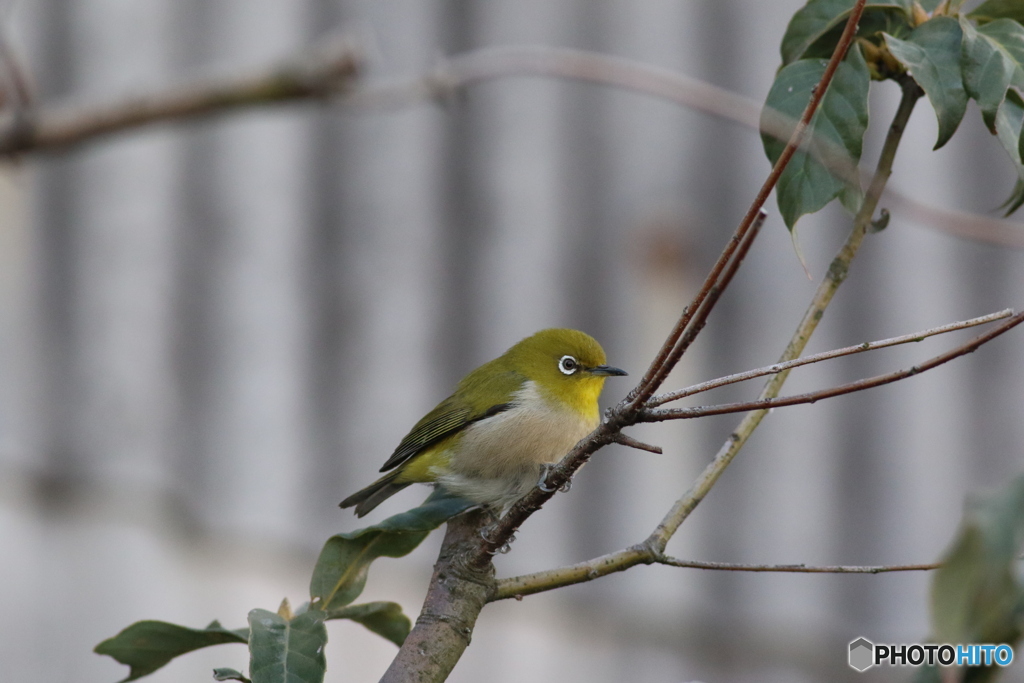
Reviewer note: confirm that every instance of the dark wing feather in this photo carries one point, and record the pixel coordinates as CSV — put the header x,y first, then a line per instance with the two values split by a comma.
x,y
453,415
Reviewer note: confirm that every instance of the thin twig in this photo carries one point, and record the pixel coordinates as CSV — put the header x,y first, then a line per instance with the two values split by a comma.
x,y
825,355
666,359
762,404
621,560
321,72
799,568
626,440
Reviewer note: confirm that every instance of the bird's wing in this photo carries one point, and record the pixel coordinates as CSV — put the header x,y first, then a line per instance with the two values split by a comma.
x,y
453,415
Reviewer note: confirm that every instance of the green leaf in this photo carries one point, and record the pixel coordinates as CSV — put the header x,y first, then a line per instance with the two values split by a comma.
x,y
931,55
1009,120
283,651
976,596
806,186
340,572
998,9
988,67
383,618
226,674
820,17
145,646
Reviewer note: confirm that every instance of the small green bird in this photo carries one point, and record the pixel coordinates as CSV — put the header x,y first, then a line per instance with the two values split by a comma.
x,y
490,441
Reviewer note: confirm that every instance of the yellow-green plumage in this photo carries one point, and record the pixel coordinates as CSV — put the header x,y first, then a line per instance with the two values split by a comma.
x,y
490,439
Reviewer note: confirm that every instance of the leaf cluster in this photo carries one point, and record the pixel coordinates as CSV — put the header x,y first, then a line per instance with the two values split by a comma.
x,y
952,57
287,646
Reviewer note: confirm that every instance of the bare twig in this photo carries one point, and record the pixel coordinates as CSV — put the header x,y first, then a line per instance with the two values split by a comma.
x,y
695,316
540,582
625,440
825,355
800,568
322,72
761,404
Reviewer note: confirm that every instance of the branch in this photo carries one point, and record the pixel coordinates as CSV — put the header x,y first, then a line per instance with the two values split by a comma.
x,y
326,72
321,72
529,584
462,71
763,404
800,568
826,355
686,329
836,275
455,597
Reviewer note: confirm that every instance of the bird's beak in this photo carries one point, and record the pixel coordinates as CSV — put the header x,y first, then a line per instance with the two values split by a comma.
x,y
608,371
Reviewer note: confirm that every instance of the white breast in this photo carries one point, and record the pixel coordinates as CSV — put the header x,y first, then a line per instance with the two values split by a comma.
x,y
499,459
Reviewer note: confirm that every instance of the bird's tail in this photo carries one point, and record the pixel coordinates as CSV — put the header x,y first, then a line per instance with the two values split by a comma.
x,y
375,494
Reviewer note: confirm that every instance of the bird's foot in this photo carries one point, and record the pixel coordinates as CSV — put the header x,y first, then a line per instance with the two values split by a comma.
x,y
541,483
507,546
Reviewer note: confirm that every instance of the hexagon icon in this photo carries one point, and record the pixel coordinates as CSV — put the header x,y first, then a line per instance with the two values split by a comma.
x,y
862,654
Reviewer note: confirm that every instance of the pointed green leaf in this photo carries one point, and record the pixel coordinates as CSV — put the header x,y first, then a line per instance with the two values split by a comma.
x,y
145,646
806,186
226,674
383,618
282,651
819,18
998,9
340,572
931,55
1009,120
988,68
1008,37
976,596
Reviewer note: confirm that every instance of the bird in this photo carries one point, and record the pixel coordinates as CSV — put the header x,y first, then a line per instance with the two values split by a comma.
x,y
507,421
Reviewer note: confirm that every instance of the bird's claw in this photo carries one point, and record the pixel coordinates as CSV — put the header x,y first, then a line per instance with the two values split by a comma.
x,y
507,546
541,483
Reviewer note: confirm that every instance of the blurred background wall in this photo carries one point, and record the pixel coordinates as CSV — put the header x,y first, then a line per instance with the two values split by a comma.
x,y
211,333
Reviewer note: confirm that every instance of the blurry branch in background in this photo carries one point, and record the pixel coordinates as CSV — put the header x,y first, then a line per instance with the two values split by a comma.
x,y
325,70
459,72
331,69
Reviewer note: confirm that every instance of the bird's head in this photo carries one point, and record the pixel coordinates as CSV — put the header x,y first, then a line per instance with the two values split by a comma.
x,y
566,365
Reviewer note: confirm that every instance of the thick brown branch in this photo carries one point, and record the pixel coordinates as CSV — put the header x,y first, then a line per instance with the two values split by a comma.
x,y
455,597
323,71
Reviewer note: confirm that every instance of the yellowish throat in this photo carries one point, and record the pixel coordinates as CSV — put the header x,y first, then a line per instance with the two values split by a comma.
x,y
490,441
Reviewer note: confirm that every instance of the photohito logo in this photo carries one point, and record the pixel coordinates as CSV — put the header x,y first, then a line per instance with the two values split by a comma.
x,y
864,654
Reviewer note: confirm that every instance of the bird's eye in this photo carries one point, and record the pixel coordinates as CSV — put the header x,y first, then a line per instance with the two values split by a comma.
x,y
568,365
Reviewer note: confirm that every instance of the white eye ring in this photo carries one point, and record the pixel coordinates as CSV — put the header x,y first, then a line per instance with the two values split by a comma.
x,y
568,365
